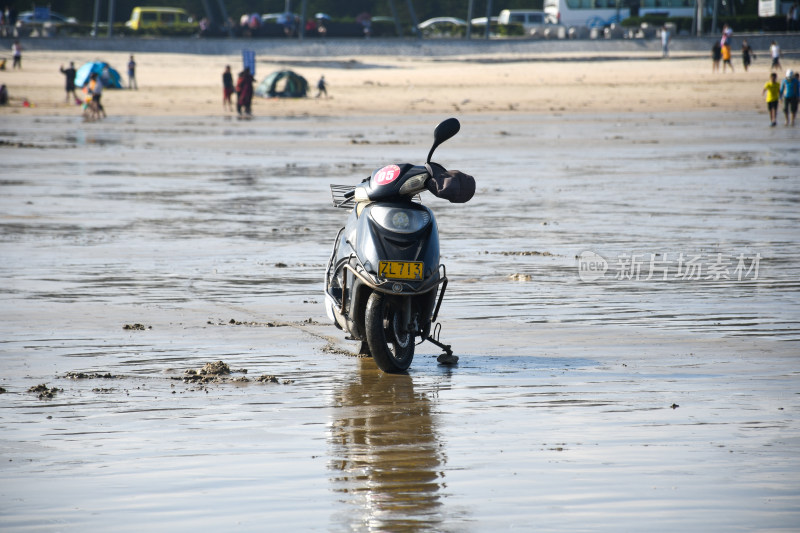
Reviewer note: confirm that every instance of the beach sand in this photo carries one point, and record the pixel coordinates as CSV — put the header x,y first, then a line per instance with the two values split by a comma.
x,y
171,235
181,84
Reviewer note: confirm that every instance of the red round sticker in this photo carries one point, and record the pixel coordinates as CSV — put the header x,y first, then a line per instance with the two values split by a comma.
x,y
387,174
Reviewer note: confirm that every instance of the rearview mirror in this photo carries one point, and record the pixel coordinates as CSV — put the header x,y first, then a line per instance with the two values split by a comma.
x,y
445,130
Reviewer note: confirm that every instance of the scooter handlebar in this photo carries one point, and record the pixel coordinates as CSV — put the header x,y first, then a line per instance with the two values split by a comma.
x,y
452,185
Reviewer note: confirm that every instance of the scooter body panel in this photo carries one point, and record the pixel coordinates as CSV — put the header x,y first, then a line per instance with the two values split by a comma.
x,y
353,271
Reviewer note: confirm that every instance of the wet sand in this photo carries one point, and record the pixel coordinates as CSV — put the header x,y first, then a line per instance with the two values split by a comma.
x,y
615,404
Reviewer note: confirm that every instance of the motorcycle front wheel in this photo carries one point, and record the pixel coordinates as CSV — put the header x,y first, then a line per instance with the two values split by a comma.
x,y
391,347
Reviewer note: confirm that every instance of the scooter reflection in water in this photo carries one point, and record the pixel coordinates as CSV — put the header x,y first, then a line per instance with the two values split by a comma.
x,y
387,460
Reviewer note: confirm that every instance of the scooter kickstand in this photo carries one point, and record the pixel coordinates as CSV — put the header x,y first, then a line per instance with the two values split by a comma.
x,y
447,358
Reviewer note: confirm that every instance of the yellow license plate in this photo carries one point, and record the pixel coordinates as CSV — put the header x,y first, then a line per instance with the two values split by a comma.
x,y
400,269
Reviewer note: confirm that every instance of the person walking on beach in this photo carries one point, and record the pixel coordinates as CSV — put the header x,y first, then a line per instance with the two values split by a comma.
x,y
321,87
716,57
90,112
132,75
16,52
775,51
665,39
227,88
747,54
244,93
772,89
726,57
69,74
97,92
790,92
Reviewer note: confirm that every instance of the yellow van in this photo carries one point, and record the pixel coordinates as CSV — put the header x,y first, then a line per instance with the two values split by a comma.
x,y
143,17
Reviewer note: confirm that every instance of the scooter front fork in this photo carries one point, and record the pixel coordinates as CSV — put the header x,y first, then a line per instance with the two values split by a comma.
x,y
407,315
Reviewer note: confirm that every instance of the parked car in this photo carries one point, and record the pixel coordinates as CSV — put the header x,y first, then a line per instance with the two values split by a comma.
x,y
44,21
530,20
277,24
479,26
284,19
481,21
27,17
142,17
442,26
441,21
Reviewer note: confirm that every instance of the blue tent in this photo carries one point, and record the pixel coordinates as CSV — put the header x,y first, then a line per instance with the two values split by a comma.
x,y
283,84
109,76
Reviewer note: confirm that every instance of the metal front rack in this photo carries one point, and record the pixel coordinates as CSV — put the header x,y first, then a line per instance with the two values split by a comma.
x,y
338,194
342,199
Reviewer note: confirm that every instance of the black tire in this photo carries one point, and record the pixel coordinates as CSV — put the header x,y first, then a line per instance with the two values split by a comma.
x,y
393,355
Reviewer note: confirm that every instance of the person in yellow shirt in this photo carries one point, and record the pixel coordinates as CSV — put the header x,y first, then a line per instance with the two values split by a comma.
x,y
726,57
90,111
773,91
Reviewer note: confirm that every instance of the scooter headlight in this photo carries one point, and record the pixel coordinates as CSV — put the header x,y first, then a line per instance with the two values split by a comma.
x,y
400,220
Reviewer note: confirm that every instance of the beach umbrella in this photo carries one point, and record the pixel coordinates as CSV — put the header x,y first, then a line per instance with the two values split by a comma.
x,y
109,76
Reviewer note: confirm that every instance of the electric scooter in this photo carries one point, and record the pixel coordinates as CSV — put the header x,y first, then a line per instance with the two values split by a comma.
x,y
384,284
